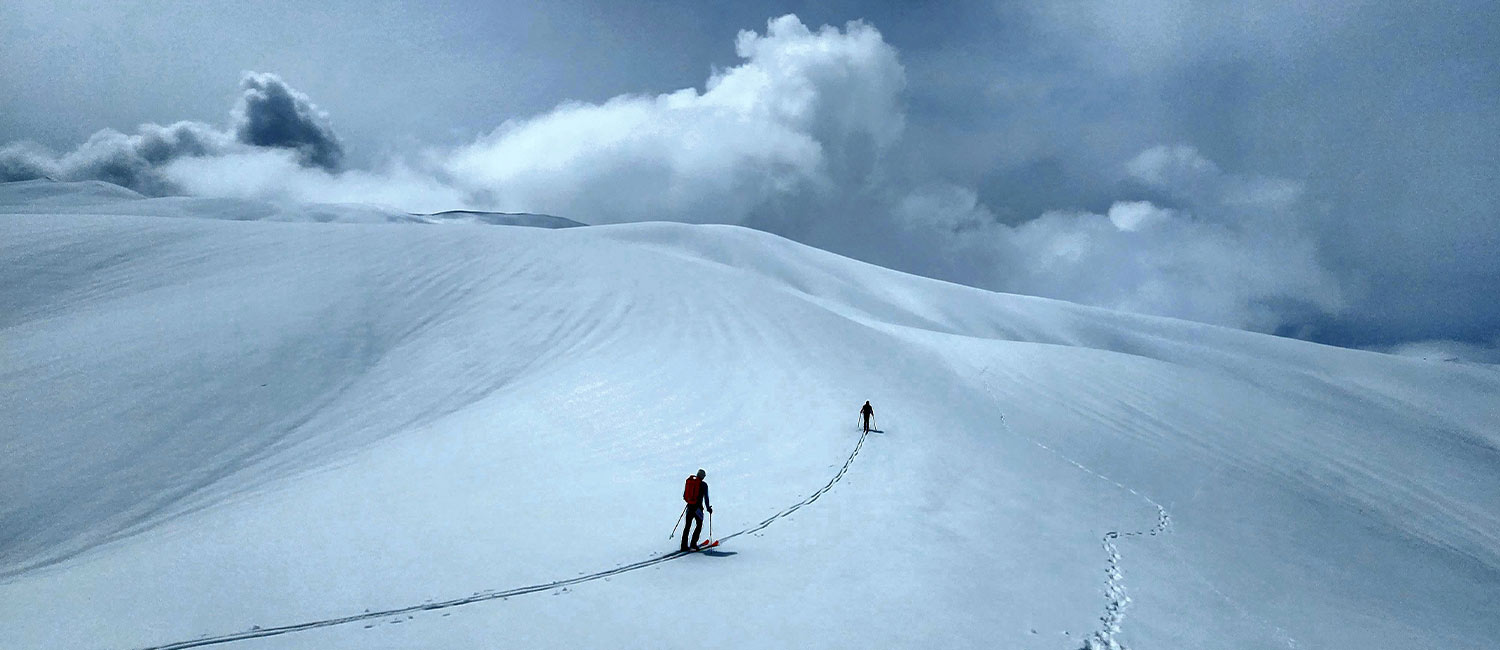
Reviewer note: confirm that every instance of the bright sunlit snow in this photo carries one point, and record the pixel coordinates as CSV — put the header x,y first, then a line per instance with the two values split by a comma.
x,y
222,415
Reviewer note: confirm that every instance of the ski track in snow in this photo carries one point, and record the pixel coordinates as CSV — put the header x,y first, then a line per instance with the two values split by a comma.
x,y
1116,597
1114,589
262,632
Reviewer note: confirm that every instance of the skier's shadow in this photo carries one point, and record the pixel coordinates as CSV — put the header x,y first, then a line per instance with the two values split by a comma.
x,y
716,553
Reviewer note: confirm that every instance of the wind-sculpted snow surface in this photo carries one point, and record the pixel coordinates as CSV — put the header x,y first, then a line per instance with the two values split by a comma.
x,y
236,421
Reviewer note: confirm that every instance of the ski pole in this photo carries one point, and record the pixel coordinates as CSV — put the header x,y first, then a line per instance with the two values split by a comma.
x,y
679,522
710,524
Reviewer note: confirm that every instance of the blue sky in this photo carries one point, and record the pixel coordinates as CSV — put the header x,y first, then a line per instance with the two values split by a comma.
x,y
1325,171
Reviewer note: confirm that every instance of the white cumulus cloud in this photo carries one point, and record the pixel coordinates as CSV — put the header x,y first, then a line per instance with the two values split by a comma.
x,y
805,110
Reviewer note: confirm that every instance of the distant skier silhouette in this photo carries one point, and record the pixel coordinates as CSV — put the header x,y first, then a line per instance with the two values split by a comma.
x,y
695,493
867,416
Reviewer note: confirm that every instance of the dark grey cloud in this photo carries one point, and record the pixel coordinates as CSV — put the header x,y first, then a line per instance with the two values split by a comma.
x,y
129,160
269,115
273,114
24,161
1387,115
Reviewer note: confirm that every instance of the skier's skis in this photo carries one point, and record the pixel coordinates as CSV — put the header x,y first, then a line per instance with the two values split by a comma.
x,y
702,546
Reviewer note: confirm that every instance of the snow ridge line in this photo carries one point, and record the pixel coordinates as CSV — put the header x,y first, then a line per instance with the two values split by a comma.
x,y
259,632
1116,598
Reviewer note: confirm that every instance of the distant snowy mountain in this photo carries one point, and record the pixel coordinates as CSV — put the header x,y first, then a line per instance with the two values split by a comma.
x,y
225,421
98,197
503,219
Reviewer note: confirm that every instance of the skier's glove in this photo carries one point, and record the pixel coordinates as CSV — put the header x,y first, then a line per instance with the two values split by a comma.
x,y
710,510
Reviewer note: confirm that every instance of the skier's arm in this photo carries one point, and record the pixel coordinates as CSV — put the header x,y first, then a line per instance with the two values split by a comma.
x,y
705,498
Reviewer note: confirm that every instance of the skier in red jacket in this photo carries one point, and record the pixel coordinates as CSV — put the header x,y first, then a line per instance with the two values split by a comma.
x,y
695,493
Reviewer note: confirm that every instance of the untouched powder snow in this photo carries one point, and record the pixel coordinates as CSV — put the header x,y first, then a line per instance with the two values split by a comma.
x,y
224,417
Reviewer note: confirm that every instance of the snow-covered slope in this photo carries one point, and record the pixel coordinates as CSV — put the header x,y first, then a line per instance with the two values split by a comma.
x,y
213,424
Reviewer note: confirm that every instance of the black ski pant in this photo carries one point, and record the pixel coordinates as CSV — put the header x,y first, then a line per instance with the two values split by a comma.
x,y
694,515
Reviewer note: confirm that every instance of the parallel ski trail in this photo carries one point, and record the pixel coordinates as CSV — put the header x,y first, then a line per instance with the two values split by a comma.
x,y
810,499
258,633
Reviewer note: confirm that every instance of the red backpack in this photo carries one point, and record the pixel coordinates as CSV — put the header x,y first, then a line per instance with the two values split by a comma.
x,y
691,488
